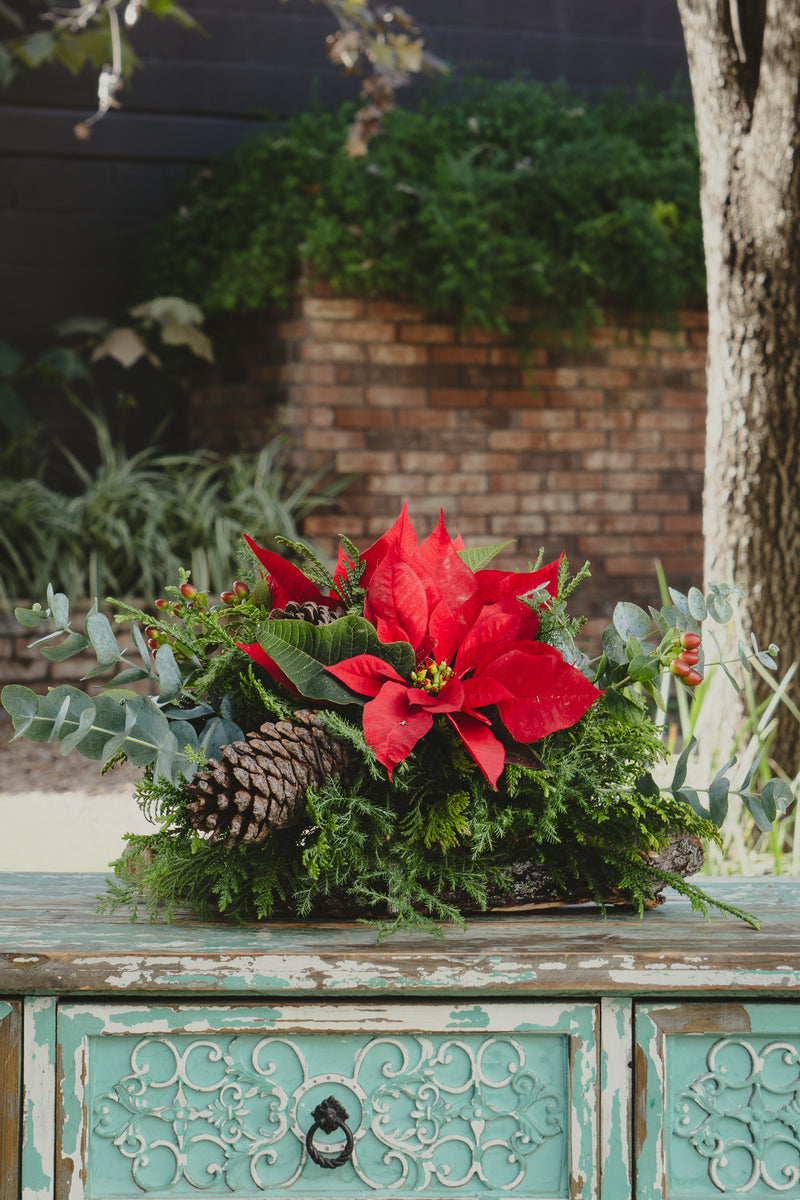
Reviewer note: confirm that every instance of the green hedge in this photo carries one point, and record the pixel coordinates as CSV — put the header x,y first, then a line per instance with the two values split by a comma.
x,y
483,196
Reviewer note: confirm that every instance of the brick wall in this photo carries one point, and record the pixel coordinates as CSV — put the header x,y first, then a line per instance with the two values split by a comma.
x,y
596,451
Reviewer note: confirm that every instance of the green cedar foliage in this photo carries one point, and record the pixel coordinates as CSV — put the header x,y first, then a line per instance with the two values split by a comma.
x,y
484,196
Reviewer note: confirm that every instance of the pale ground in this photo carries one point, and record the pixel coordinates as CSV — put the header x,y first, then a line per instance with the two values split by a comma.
x,y
61,814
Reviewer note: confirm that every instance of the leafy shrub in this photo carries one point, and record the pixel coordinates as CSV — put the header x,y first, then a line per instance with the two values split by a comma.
x,y
482,197
132,523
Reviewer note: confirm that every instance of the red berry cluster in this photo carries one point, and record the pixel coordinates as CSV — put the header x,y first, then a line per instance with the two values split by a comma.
x,y
684,664
238,592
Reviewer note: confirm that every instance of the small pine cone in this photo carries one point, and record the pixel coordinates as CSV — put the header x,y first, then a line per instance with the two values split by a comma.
x,y
315,614
260,783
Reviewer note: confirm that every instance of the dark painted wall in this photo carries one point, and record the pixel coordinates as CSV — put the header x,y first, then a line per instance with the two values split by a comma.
x,y
72,213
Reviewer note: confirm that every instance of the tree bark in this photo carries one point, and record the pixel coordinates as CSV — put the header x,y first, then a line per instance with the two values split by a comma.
x,y
744,63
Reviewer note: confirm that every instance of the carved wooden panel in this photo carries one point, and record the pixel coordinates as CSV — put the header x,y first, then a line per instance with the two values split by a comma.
x,y
717,1101
439,1101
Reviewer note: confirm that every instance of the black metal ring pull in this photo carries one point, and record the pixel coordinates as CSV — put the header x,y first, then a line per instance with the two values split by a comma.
x,y
329,1116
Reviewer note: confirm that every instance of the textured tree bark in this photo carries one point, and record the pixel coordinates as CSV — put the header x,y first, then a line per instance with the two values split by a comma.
x,y
744,62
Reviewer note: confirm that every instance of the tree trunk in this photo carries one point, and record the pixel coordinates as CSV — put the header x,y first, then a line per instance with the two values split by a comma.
x,y
744,62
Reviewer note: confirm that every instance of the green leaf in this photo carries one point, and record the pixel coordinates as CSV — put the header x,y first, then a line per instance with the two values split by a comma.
x,y
757,812
10,360
14,413
100,633
689,796
73,643
63,362
36,48
8,14
777,792
680,601
719,608
169,674
744,657
681,765
59,607
141,645
631,621
613,645
477,557
696,604
718,794
302,651
31,617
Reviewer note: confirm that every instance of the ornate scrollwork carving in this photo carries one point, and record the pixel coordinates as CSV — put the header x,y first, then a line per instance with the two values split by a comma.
x,y
742,1115
229,1114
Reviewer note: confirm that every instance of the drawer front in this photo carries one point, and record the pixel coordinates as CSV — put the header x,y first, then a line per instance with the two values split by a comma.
x,y
441,1100
717,1101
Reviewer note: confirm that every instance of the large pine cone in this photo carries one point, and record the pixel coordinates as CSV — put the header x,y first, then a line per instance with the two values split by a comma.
x,y
260,783
315,614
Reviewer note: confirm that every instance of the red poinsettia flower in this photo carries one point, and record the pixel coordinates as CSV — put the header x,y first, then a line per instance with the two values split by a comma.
x,y
473,640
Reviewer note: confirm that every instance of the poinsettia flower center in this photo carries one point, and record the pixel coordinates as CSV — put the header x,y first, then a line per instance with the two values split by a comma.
x,y
431,676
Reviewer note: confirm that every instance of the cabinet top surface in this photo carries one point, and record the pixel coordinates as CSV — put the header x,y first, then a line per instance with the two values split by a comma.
x,y
53,940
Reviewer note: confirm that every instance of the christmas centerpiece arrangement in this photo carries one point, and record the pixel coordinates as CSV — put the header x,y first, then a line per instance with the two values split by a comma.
x,y
410,737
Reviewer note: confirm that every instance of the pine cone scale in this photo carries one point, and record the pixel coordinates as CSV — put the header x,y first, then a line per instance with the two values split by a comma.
x,y
259,784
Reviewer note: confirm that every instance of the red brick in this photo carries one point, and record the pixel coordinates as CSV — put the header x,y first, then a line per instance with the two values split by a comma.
x,y
572,439
662,544
621,523
332,439
425,332
664,418
368,461
603,543
333,397
321,373
548,418
684,399
320,417
365,418
609,460
425,460
292,373
603,377
458,354
495,502
641,439
684,360
560,377
394,310
482,337
333,352
549,502
397,484
398,355
609,336
575,480
322,331
560,524
365,331
520,523
513,398
605,501
396,397
508,356
623,565
339,308
662,502
482,461
517,439
427,418
334,524
292,331
457,398
664,460
660,339
457,483
694,318
692,523
632,357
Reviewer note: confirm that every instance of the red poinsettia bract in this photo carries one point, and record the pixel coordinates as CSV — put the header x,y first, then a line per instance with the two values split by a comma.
x,y
473,641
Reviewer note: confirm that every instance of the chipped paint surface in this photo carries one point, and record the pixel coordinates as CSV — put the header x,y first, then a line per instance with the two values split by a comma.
x,y
60,944
616,1085
38,1112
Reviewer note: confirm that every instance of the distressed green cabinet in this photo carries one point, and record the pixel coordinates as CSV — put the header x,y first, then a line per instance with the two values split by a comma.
x,y
544,1056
